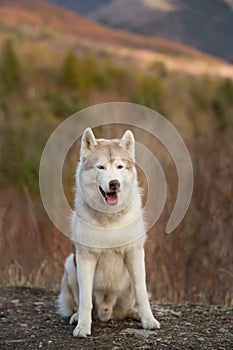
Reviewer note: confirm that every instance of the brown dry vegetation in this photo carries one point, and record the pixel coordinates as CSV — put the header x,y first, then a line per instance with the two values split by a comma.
x,y
37,92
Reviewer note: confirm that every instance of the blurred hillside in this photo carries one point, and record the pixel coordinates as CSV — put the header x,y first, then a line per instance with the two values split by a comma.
x,y
206,25
58,28
54,63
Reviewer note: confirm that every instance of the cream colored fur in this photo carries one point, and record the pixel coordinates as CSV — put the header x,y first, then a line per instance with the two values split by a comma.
x,y
109,279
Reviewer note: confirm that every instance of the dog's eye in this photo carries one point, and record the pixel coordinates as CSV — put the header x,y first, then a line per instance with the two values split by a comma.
x,y
120,166
101,167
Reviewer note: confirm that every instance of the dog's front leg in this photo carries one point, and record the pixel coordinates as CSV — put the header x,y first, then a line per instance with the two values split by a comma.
x,y
136,267
85,270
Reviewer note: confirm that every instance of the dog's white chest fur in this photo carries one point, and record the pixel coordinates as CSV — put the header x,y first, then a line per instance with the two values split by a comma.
x,y
110,273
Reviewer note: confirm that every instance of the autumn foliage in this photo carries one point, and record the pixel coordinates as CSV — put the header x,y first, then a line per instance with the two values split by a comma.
x,y
194,263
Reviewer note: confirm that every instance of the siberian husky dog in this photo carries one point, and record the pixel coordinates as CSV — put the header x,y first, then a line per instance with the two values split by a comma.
x,y
105,277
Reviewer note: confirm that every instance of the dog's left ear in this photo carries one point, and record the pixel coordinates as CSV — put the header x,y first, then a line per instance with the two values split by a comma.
x,y
88,142
128,142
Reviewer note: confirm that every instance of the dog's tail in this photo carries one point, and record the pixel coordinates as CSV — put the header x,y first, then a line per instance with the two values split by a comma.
x,y
67,302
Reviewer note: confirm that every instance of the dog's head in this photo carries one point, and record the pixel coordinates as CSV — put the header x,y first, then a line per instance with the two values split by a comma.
x,y
106,174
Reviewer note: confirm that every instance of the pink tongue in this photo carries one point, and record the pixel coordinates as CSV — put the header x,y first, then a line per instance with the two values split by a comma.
x,y
112,198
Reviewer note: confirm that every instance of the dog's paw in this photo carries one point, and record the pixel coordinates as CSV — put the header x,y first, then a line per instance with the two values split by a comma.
x,y
81,331
74,318
150,323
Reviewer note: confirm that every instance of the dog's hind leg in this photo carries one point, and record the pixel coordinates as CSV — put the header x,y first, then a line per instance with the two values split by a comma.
x,y
66,304
68,297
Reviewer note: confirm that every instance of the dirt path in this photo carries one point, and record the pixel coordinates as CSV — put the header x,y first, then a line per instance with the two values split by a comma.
x,y
28,320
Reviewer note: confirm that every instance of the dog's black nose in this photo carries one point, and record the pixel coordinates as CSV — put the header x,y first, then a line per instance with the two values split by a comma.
x,y
114,185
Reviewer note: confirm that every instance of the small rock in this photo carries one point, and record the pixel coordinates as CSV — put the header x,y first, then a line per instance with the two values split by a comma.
x,y
182,333
138,332
175,313
38,303
23,324
201,339
223,330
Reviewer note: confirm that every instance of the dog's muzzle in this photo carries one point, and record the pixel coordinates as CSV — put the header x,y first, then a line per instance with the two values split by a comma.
x,y
111,197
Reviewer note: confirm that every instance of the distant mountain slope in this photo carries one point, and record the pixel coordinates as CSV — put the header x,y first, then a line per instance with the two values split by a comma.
x,y
63,29
81,6
206,25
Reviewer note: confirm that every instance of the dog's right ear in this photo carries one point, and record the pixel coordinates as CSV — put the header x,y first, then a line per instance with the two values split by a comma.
x,y
88,142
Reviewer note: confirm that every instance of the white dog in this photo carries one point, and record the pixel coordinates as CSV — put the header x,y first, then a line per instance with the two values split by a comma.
x,y
106,275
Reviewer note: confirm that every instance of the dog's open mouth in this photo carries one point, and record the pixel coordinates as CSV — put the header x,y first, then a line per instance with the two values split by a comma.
x,y
110,197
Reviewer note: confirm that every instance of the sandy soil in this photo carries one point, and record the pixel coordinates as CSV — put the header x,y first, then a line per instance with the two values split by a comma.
x,y
28,320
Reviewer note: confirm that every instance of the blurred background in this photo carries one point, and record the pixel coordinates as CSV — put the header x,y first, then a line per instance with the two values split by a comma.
x,y
174,56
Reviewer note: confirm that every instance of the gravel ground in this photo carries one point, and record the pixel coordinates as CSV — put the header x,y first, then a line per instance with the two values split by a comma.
x,y
28,320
